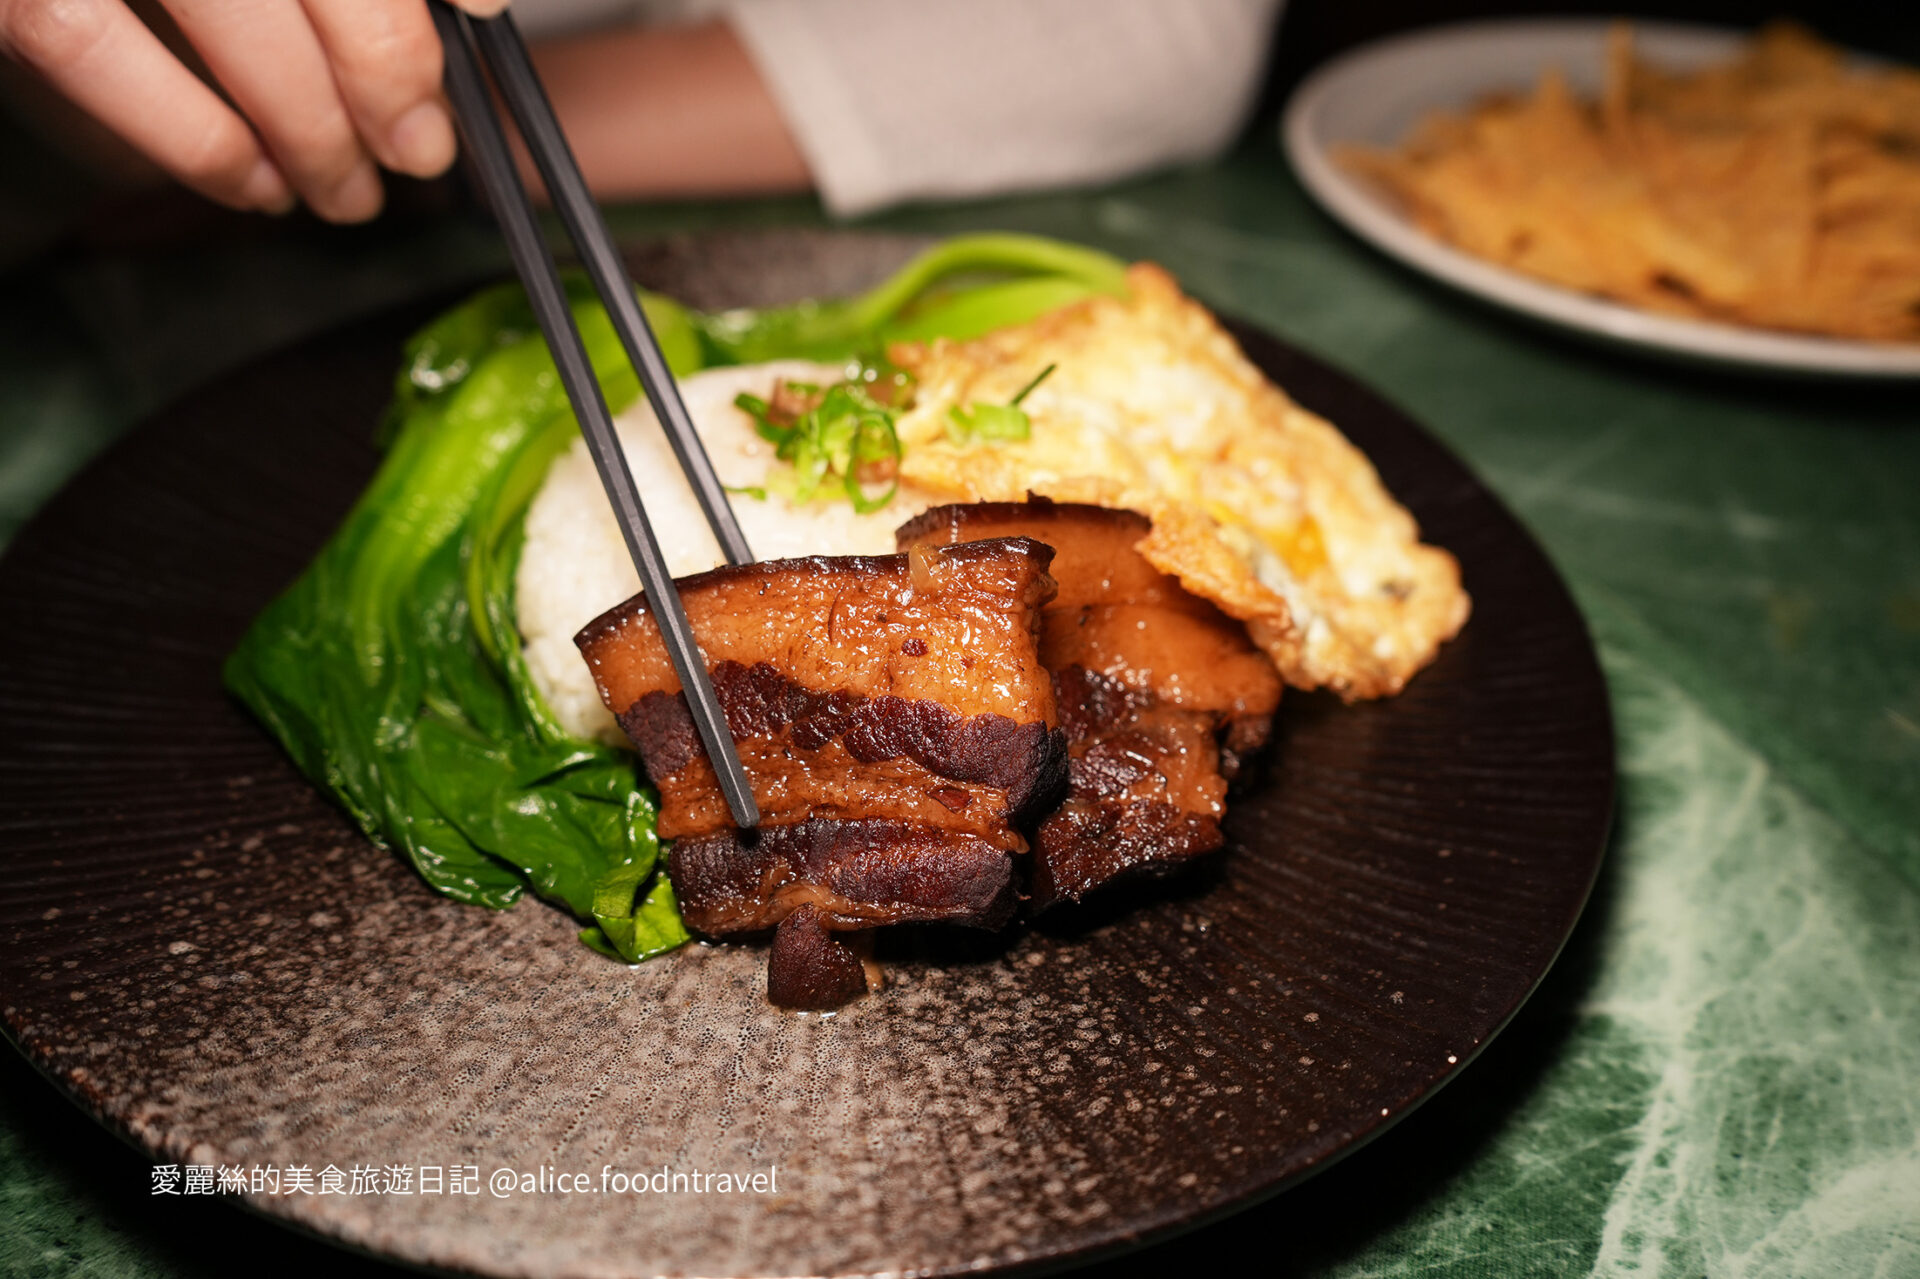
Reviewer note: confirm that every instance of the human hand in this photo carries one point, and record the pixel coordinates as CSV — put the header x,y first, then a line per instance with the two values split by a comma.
x,y
325,91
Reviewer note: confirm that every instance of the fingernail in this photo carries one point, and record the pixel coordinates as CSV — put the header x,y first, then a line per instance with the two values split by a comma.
x,y
354,200
266,190
483,8
422,140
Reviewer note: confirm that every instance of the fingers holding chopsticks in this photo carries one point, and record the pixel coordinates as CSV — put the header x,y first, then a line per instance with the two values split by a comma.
x,y
319,93
113,67
386,62
270,60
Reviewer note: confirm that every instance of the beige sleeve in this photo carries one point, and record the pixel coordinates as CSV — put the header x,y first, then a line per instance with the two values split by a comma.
x,y
894,100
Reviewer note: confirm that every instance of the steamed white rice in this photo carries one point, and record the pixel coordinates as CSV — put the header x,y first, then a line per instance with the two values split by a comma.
x,y
575,565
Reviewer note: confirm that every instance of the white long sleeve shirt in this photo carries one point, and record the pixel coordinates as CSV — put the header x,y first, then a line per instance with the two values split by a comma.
x,y
895,100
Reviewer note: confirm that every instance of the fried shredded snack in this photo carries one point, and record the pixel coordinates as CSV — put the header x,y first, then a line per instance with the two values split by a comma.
x,y
1780,190
1257,505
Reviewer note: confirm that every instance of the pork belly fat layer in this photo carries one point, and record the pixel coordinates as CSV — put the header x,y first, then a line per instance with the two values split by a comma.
x,y
854,687
855,874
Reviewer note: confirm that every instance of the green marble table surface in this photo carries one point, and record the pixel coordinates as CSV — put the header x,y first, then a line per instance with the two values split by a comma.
x,y
1721,1076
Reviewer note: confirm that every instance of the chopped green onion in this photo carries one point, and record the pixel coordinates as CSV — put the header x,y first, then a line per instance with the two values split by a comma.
x,y
874,440
1027,390
846,430
995,422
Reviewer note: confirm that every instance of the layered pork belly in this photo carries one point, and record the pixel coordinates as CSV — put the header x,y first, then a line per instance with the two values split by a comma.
x,y
894,720
1160,694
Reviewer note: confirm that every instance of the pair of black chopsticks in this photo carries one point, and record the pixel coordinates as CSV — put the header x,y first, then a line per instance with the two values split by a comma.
x,y
467,40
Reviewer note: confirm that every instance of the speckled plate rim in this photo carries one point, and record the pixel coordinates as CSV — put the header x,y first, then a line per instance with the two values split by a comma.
x,y
1149,1228
1375,93
1178,1226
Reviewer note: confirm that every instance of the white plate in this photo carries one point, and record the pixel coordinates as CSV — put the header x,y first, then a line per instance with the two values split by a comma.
x,y
1377,93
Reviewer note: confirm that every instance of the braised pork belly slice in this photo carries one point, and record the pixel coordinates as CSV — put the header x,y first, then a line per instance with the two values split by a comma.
x,y
1161,695
895,723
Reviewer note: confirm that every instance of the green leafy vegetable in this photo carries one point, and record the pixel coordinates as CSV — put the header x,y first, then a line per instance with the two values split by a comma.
x,y
630,924
909,307
392,669
440,356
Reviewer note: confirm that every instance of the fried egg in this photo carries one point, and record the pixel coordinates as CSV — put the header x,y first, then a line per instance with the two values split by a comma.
x,y
1257,504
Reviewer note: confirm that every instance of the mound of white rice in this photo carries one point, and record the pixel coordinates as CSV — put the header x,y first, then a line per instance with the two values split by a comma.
x,y
575,565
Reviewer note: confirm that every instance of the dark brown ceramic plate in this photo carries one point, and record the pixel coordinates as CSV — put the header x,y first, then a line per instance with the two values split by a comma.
x,y
205,953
